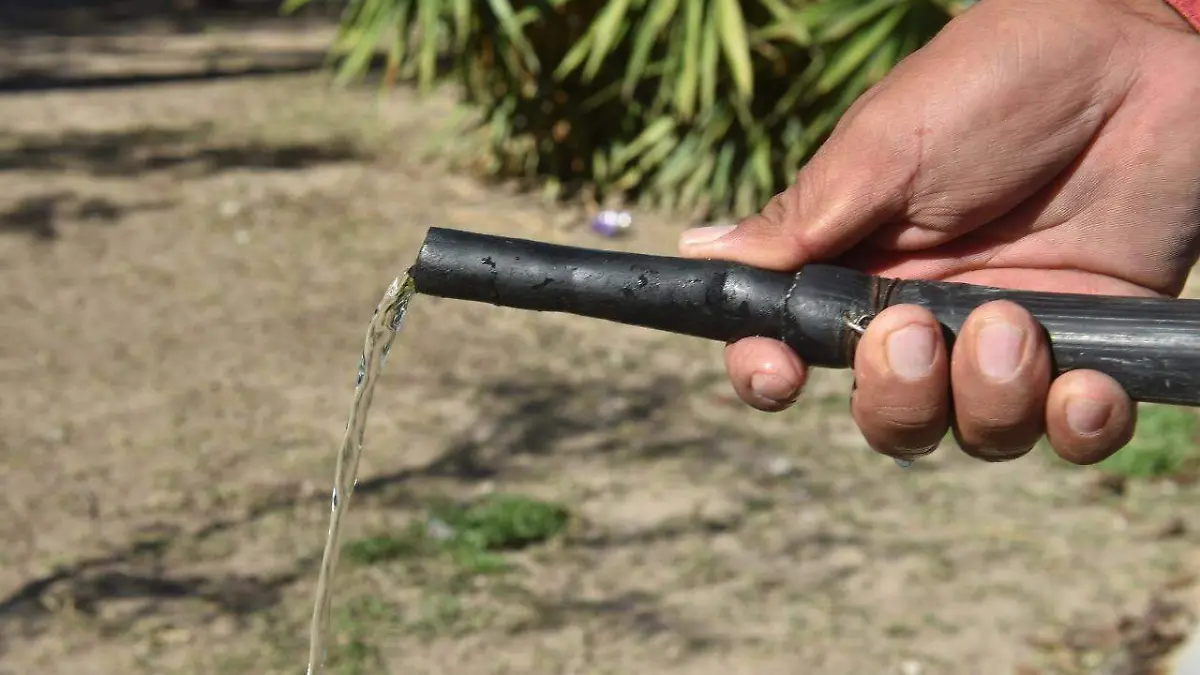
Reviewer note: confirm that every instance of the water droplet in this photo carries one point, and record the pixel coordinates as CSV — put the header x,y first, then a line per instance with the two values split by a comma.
x,y
398,318
903,463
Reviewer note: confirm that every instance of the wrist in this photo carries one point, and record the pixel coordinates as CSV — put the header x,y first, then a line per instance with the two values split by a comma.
x,y
1180,15
1188,10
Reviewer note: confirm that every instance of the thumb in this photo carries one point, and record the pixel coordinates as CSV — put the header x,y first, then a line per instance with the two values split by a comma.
x,y
857,181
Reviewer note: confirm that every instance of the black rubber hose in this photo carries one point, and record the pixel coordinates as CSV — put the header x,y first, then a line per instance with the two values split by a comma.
x,y
1151,346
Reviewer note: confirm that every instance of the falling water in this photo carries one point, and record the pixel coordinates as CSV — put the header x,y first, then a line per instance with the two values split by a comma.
x,y
389,315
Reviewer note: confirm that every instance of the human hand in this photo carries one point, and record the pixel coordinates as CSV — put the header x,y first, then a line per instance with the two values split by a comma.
x,y
1034,144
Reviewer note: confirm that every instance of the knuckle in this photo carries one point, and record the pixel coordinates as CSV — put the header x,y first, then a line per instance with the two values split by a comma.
x,y
908,419
869,114
1000,420
1004,409
781,221
903,431
778,211
777,219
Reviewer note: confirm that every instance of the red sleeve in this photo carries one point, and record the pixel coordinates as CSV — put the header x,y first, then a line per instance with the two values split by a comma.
x,y
1190,9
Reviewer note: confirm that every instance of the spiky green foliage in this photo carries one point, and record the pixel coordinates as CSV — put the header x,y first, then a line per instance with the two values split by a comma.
x,y
702,105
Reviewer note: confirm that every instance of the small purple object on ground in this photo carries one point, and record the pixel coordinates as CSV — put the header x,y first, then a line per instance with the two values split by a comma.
x,y
612,223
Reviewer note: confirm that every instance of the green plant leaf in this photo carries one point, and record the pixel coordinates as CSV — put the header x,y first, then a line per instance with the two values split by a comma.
x,y
290,6
843,24
794,145
396,47
657,153
427,17
710,61
715,124
884,59
722,178
600,165
609,93
362,48
651,136
690,192
745,199
760,163
856,50
655,21
575,57
461,12
814,15
687,78
731,25
794,32
682,160
779,10
512,30
799,90
608,26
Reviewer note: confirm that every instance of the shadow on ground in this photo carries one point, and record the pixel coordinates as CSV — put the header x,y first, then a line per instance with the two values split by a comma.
x,y
133,153
530,414
135,573
129,153
542,415
43,43
109,17
634,613
38,216
52,79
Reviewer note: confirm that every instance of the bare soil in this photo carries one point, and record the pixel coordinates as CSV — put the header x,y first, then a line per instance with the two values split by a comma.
x,y
186,270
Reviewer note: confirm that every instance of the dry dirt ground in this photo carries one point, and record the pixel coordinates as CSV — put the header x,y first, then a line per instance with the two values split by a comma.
x,y
185,274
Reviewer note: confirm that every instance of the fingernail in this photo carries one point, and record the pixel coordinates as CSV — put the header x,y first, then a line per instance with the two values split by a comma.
x,y
704,235
910,351
1086,416
772,387
998,349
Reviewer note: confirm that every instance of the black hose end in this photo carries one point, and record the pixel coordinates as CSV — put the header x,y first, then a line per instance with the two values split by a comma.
x,y
456,264
703,298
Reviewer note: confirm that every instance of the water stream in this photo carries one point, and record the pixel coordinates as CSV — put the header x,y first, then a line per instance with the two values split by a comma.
x,y
389,315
